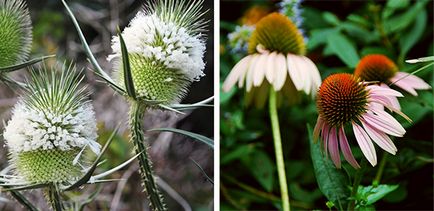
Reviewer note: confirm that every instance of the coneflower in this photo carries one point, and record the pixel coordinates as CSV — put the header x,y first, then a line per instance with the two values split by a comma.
x,y
276,58
15,32
51,125
344,100
377,67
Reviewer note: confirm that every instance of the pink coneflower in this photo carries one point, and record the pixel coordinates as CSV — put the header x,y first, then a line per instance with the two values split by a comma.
x,y
276,58
342,100
377,67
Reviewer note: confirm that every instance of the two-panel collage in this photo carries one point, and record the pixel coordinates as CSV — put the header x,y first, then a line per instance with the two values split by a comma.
x,y
197,105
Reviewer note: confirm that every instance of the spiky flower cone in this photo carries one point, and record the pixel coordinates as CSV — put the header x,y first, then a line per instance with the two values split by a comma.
x,y
165,48
50,125
15,32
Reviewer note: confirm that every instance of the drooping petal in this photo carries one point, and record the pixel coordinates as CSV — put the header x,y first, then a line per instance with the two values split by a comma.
x,y
259,70
313,74
325,136
280,70
414,81
303,68
392,99
365,144
237,73
384,122
377,90
294,72
380,138
406,86
269,67
319,125
333,148
251,72
346,150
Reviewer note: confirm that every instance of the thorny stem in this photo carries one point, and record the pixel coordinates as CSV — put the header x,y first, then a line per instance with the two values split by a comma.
x,y
54,197
137,112
278,151
356,183
377,178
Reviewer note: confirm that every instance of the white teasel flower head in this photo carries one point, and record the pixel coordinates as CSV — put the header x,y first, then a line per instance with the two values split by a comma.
x,y
344,100
15,32
51,125
166,48
276,59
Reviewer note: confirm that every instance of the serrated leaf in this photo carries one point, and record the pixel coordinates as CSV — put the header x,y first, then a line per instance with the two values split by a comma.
x,y
24,64
331,181
344,49
409,39
128,78
195,136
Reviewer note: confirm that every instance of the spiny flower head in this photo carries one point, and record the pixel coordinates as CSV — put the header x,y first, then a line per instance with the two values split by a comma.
x,y
166,48
15,32
376,67
276,32
50,125
341,99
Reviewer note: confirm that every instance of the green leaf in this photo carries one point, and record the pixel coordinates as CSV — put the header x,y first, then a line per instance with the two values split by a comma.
x,y
409,39
331,18
195,136
360,33
239,152
128,78
262,168
23,201
24,64
369,195
400,22
319,37
331,181
358,20
393,5
376,50
344,49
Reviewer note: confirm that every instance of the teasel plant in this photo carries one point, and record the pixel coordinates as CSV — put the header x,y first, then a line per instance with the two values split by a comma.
x,y
162,54
15,39
49,135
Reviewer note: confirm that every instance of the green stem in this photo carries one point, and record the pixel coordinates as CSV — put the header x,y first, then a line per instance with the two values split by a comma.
x,y
356,183
137,113
278,151
54,197
377,178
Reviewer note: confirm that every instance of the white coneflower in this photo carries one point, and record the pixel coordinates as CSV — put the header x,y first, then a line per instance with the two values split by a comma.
x,y
50,126
15,32
166,47
276,58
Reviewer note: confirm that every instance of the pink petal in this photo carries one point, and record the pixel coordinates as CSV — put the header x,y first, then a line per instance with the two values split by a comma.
x,y
346,150
236,73
280,70
377,90
269,67
365,144
259,70
380,138
392,99
319,125
384,122
406,86
325,135
416,82
334,148
388,101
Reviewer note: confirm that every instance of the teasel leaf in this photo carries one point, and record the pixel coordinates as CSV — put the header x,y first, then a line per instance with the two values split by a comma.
x,y
203,103
24,64
98,70
203,172
23,201
90,198
195,136
10,187
89,173
128,79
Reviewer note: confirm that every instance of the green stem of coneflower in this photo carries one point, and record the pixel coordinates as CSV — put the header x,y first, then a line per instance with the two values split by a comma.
x,y
356,183
54,197
377,178
137,113
278,151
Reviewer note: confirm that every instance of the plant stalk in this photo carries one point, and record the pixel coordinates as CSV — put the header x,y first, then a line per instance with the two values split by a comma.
x,y
137,112
54,197
278,151
356,183
377,178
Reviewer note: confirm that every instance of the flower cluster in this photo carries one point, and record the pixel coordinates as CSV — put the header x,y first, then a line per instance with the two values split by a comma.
x,y
239,38
291,8
166,49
